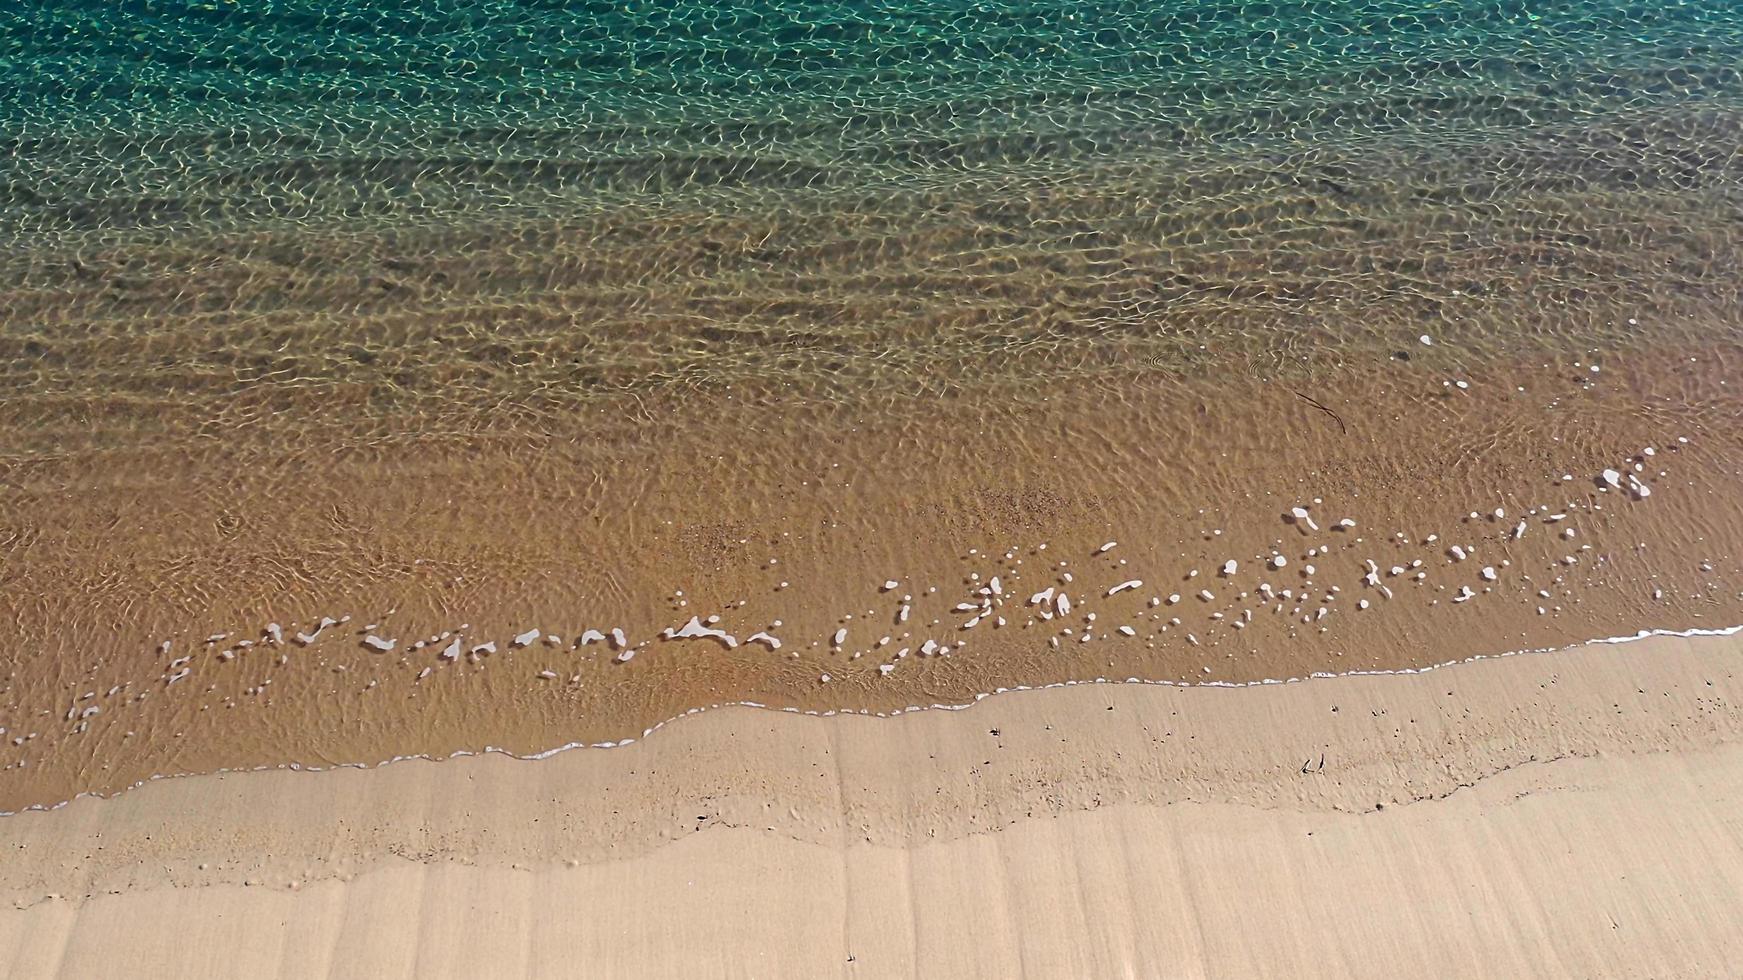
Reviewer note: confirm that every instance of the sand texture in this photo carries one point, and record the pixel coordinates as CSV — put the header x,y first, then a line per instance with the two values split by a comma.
x,y
1560,814
524,488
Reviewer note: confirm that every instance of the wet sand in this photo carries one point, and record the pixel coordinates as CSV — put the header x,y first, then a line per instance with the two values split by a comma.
x,y
1565,813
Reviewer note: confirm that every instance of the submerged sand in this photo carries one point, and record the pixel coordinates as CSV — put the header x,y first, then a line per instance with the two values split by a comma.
x,y
1567,813
1582,503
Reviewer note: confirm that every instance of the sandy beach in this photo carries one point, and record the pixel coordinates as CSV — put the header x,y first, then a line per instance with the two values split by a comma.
x,y
789,488
1570,813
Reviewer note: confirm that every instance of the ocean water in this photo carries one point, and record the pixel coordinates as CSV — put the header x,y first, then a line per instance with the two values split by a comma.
x,y
139,117
476,321
1023,173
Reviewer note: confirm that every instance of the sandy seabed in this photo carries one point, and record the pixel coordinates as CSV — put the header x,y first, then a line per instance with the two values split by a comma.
x,y
1560,814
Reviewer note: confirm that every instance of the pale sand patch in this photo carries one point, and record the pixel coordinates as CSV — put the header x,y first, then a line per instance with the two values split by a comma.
x,y
1172,835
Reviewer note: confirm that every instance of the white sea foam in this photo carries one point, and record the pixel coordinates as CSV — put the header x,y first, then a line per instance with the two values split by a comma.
x,y
976,699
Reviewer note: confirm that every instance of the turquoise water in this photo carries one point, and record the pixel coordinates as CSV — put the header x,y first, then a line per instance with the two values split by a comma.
x,y
217,198
136,116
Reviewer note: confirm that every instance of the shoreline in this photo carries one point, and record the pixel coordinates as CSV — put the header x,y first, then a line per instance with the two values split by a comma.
x,y
455,601
978,698
1237,717
1494,788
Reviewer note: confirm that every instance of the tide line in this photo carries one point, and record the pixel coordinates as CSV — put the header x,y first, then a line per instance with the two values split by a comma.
x,y
957,706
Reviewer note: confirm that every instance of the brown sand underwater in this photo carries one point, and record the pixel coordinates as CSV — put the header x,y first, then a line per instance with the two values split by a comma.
x,y
468,453
788,518
479,452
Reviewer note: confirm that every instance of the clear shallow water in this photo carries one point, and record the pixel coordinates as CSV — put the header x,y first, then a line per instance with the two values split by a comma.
x,y
267,201
540,314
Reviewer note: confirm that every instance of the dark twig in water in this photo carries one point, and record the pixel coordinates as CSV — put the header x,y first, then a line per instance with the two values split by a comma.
x,y
1335,416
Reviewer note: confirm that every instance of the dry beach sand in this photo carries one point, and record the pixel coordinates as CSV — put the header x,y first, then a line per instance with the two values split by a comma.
x,y
1571,813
